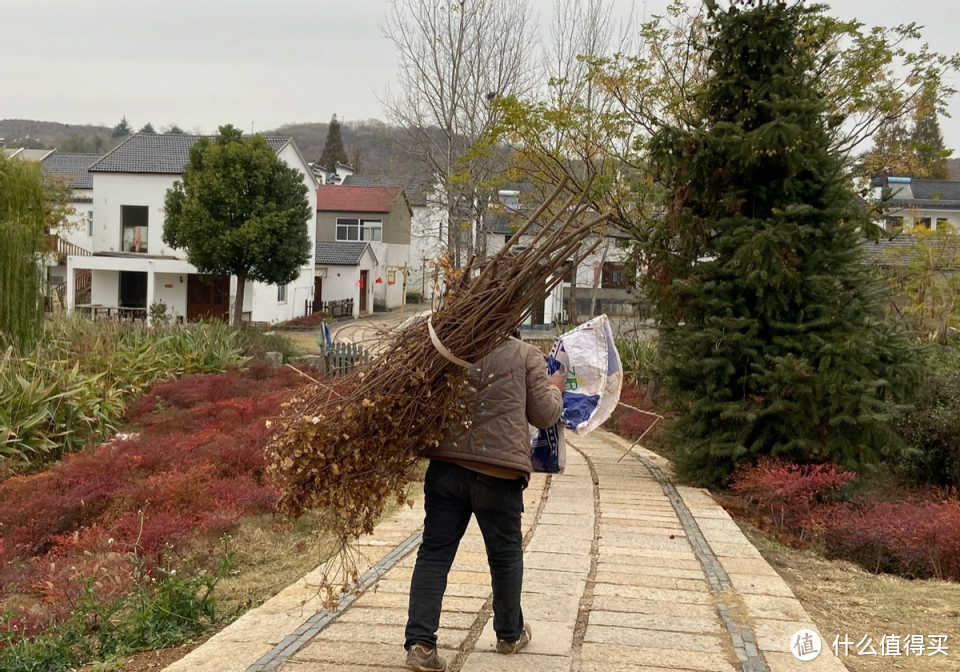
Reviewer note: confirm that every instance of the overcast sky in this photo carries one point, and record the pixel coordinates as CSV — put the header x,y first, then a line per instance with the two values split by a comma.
x,y
202,63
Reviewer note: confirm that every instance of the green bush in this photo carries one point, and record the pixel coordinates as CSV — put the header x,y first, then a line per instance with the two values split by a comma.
x,y
164,610
72,387
639,360
255,343
931,429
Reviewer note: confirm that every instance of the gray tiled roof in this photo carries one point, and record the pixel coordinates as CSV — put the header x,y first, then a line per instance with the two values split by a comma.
x,y
74,167
340,253
415,190
896,251
507,223
158,154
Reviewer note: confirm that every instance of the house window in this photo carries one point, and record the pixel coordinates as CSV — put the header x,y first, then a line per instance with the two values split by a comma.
x,y
90,223
359,229
133,222
922,221
281,293
614,276
894,224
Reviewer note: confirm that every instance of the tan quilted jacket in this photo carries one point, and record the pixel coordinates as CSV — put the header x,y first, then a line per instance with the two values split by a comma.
x,y
504,392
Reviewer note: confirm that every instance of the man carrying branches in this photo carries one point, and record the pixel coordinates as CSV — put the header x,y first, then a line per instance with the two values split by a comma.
x,y
481,468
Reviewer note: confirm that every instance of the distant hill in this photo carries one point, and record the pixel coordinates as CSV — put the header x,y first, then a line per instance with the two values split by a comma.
x,y
62,137
376,142
953,165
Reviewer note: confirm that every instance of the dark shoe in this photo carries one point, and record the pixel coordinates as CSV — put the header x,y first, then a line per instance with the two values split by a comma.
x,y
510,648
421,658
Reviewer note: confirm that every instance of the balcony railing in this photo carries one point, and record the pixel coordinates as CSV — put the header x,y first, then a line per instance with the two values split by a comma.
x,y
64,248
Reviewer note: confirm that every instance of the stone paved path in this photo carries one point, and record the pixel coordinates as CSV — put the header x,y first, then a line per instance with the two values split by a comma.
x,y
622,572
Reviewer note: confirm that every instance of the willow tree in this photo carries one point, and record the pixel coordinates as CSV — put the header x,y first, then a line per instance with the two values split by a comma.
x,y
24,217
772,323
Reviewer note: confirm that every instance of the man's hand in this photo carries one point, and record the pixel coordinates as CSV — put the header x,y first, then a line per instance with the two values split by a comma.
x,y
558,381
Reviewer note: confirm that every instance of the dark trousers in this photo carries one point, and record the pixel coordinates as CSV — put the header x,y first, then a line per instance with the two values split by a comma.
x,y
452,494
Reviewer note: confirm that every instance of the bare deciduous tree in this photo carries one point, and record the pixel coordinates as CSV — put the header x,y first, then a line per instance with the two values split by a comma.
x,y
455,59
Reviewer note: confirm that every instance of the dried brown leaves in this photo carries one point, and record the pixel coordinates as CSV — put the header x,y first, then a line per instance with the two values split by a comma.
x,y
349,450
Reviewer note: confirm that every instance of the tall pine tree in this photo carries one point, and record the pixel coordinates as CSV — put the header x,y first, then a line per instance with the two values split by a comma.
x,y
333,150
771,324
927,142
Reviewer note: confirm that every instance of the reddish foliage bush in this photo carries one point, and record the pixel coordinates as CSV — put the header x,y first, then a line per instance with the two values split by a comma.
x,y
193,470
312,320
788,491
918,537
628,423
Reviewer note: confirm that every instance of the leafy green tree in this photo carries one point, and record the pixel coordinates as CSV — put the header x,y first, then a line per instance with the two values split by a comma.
x,y
333,150
174,130
927,141
867,76
240,210
771,324
925,282
76,144
27,143
122,129
892,152
148,128
24,211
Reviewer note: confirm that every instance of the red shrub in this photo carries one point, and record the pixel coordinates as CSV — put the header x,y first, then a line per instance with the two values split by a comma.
x,y
628,423
788,491
917,537
193,470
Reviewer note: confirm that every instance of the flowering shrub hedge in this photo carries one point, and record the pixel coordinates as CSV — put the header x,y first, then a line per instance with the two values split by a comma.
x,y
193,470
918,537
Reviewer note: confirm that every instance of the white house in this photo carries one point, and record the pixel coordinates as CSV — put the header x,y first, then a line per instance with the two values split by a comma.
x,y
379,217
132,268
601,280
427,226
344,272
913,203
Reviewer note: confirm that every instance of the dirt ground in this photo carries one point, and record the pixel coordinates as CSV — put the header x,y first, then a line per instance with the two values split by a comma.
x,y
844,599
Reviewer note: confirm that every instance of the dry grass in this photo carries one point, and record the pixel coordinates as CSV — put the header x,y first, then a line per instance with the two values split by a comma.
x,y
843,599
305,341
271,554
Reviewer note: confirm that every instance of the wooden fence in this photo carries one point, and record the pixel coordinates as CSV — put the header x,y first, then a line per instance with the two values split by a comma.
x,y
342,358
336,309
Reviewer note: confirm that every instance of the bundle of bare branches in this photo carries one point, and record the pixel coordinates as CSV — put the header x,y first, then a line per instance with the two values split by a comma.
x,y
349,451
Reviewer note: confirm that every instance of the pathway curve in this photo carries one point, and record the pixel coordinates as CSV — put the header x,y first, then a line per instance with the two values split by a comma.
x,y
623,571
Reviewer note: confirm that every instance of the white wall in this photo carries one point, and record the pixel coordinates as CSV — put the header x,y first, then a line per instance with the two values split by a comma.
x,y
389,255
76,230
113,190
105,288
911,215
174,295
427,243
342,282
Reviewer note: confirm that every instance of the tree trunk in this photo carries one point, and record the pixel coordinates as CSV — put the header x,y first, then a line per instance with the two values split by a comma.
x,y
238,299
572,310
596,279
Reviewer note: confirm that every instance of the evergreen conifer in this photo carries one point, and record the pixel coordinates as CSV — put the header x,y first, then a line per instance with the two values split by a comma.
x,y
333,150
927,142
122,129
772,326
